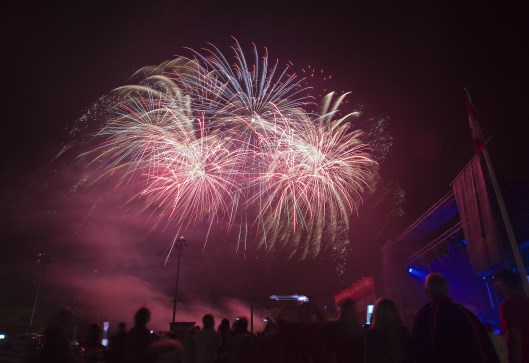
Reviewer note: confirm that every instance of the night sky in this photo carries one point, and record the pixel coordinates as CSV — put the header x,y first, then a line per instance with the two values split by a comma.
x,y
407,62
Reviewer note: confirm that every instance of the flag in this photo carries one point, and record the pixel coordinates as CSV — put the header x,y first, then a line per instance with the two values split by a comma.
x,y
475,211
474,126
479,226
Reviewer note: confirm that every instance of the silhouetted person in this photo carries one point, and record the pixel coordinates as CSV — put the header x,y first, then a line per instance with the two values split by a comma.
x,y
57,337
270,327
514,316
207,341
139,339
224,325
387,340
225,335
344,336
300,333
241,344
92,348
267,342
447,332
188,343
118,345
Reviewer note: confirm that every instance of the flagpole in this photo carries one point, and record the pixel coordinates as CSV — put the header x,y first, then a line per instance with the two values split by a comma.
x,y
503,208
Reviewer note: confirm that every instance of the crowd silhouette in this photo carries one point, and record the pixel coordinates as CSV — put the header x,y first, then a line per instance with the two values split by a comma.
x,y
443,332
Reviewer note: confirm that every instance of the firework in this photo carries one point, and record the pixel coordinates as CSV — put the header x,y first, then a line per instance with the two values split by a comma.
x,y
212,141
313,178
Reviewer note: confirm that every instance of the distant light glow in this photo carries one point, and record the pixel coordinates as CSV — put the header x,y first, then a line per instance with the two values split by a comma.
x,y
295,297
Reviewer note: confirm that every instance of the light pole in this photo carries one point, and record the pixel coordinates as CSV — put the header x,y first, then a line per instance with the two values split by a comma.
x,y
249,262
179,244
42,257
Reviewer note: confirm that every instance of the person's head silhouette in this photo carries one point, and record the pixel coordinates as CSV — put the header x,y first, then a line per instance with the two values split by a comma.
x,y
142,317
208,321
436,285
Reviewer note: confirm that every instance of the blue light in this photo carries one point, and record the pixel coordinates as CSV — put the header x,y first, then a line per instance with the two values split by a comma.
x,y
417,272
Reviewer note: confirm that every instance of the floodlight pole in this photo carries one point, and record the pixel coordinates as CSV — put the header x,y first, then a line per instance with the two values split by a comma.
x,y
41,257
179,243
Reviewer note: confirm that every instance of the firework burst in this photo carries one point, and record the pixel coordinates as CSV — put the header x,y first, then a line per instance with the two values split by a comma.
x,y
213,141
313,177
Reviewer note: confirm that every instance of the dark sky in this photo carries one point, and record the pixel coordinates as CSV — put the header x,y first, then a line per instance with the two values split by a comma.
x,y
407,61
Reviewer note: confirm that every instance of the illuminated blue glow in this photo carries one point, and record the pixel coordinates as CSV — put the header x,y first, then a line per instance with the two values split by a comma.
x,y
417,272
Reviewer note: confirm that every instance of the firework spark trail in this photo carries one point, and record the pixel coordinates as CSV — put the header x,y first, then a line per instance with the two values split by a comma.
x,y
248,90
314,176
187,176
214,142
194,179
